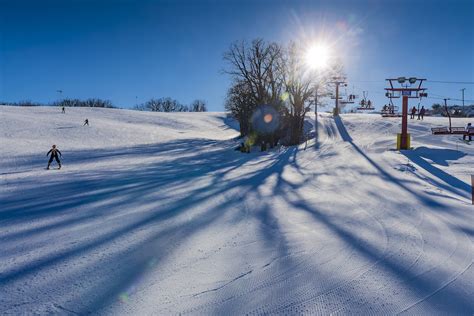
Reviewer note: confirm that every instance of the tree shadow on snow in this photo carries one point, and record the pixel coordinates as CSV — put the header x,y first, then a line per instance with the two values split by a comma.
x,y
91,199
440,157
153,209
385,175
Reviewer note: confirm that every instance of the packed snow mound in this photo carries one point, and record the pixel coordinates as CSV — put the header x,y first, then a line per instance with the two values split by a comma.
x,y
156,213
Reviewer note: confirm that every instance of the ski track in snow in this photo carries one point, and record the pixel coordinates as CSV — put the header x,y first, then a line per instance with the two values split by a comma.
x,y
155,213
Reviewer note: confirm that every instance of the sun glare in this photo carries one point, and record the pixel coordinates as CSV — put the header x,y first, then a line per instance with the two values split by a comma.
x,y
317,57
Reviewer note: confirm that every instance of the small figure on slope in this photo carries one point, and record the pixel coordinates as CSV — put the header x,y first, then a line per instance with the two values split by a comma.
x,y
64,110
86,122
54,155
422,113
469,132
413,112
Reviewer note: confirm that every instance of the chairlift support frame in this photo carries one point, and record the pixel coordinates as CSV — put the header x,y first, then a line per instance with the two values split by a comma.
x,y
406,91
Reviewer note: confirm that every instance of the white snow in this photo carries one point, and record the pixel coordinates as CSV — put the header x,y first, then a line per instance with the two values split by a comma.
x,y
155,213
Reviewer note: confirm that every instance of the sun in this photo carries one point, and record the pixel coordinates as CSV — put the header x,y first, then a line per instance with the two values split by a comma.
x,y
317,56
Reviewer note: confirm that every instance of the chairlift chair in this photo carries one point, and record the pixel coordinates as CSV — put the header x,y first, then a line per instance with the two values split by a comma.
x,y
390,110
451,130
364,104
350,98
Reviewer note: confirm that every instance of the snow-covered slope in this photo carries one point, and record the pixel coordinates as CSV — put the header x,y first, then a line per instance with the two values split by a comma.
x,y
157,214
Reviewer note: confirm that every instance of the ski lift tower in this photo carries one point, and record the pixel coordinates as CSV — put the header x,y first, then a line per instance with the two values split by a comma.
x,y
409,88
337,81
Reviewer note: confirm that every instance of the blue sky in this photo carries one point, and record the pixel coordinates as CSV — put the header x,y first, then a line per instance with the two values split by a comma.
x,y
130,51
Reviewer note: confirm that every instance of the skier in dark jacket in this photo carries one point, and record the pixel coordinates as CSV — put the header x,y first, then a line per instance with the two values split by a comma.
x,y
413,112
86,122
422,113
54,155
469,132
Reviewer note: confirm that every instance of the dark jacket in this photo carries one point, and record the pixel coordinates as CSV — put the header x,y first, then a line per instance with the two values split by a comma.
x,y
54,152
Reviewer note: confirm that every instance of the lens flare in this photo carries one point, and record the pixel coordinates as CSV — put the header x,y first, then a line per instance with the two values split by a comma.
x,y
268,118
265,119
124,298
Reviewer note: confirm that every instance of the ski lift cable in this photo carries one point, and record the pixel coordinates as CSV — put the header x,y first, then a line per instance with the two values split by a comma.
x,y
454,82
428,80
432,96
441,97
452,99
369,91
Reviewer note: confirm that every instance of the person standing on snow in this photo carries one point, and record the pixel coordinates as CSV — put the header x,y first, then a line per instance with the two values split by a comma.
x,y
54,155
86,122
413,112
64,110
469,131
422,113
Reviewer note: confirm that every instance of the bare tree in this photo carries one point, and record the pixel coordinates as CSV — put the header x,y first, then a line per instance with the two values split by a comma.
x,y
267,74
300,88
198,106
162,105
240,104
257,64
97,103
169,105
153,105
301,85
139,107
182,108
255,69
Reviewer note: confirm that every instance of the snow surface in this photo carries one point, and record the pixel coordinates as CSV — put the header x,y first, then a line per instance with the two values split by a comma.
x,y
155,213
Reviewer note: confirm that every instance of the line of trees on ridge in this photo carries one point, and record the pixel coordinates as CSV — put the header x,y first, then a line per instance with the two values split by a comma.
x,y
154,105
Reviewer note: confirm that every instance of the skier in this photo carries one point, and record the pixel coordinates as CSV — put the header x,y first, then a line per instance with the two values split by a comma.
x,y
413,112
469,132
422,113
64,110
86,122
54,155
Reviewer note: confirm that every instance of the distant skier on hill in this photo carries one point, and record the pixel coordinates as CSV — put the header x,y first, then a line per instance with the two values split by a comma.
x,y
413,112
86,122
64,110
54,155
